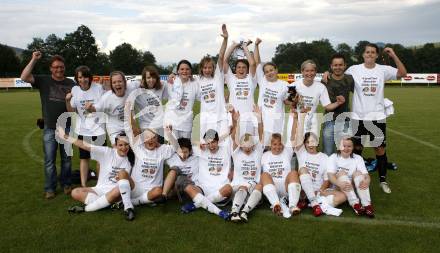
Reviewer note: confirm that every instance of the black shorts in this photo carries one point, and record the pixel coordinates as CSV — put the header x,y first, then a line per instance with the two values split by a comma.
x,y
84,154
374,130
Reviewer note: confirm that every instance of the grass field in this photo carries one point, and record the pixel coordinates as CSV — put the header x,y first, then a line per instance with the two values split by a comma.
x,y
407,220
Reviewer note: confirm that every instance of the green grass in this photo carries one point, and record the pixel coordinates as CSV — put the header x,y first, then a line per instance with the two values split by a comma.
x,y
407,220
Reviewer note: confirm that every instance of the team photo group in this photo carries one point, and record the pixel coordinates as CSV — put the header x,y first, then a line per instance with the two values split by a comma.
x,y
257,138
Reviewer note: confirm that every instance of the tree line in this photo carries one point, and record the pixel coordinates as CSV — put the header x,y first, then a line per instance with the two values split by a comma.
x,y
80,48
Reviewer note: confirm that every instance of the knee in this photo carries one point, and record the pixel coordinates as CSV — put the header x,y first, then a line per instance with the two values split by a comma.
x,y
292,176
226,191
259,187
76,194
303,170
123,174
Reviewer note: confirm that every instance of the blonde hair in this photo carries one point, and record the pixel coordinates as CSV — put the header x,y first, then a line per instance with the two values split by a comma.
x,y
307,62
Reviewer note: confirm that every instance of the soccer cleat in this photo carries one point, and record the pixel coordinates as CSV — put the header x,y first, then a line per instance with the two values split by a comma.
x,y
117,206
302,204
187,208
244,216
317,211
369,211
235,217
277,210
294,210
358,209
76,209
224,215
129,214
385,187
49,195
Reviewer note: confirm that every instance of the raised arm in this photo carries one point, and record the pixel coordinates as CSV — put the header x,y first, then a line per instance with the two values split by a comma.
x,y
79,143
251,60
169,136
26,74
221,54
257,51
297,134
228,55
259,115
235,131
68,105
401,70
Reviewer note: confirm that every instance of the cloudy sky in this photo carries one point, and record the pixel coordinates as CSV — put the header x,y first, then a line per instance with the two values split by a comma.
x,y
173,30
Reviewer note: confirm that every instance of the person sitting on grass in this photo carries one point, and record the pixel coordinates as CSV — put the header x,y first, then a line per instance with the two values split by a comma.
x,y
113,180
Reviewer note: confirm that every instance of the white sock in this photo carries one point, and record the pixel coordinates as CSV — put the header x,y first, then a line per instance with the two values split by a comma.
x,y
215,197
364,195
294,190
203,202
143,199
91,197
253,201
239,198
125,191
327,208
307,186
271,194
100,203
351,195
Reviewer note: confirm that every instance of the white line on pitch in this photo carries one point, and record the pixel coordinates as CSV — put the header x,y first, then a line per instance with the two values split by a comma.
x,y
28,148
414,139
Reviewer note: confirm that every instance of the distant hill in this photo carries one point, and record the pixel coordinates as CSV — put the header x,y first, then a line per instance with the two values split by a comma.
x,y
18,51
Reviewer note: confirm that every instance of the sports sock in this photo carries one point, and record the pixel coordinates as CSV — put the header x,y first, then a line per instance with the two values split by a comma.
x,y
253,201
143,199
271,194
125,191
215,197
381,167
307,186
351,195
91,197
100,203
294,190
239,198
203,202
364,195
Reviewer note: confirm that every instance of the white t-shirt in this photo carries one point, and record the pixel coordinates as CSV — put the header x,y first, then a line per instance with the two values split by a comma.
x,y
189,167
310,97
241,92
271,100
214,167
337,163
110,164
369,84
148,168
148,105
88,123
316,165
212,95
278,166
247,168
181,116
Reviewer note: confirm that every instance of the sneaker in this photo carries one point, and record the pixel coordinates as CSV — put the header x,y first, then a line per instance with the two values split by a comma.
x,y
244,216
369,211
224,215
68,190
76,209
49,195
129,214
235,217
385,187
161,200
302,204
187,208
358,209
277,210
317,211
117,206
392,166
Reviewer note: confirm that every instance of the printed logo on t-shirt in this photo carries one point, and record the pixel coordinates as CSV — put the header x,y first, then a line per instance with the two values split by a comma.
x,y
113,174
346,170
242,90
215,165
208,93
249,169
369,86
119,112
149,168
183,101
57,93
313,169
276,169
306,103
269,98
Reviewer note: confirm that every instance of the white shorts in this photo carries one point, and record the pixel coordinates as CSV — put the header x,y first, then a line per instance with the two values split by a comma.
x,y
280,185
249,185
138,190
102,190
207,190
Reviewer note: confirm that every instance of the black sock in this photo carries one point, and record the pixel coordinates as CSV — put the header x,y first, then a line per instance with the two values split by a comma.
x,y
381,166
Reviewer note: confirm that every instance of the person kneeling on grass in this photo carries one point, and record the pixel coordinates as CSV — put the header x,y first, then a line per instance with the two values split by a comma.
x,y
113,181
184,167
213,185
247,169
347,171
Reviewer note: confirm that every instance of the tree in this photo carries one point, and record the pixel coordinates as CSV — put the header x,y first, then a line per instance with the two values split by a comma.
x,y
126,59
428,59
10,63
347,52
359,50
